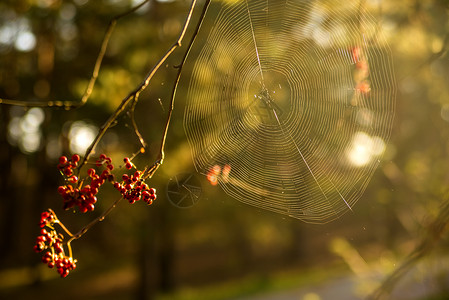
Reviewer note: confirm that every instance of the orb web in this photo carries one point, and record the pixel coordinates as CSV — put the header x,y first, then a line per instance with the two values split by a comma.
x,y
290,104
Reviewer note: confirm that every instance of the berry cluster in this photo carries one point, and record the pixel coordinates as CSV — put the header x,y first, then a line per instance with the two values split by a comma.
x,y
47,219
66,166
63,264
128,164
133,188
84,197
76,193
52,241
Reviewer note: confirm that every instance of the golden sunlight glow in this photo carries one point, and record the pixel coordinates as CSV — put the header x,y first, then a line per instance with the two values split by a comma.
x,y
364,149
81,136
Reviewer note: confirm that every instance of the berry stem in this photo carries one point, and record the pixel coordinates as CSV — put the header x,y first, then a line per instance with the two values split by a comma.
x,y
69,248
60,223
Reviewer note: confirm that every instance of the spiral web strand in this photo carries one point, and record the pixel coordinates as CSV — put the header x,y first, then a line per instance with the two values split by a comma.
x,y
290,104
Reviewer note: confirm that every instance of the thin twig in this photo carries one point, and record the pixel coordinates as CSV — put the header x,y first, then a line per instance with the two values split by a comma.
x,y
57,221
161,156
93,222
87,93
134,95
134,124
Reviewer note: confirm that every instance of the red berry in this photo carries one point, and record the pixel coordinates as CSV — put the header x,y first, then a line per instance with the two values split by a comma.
x,y
91,172
63,160
105,174
64,273
91,200
129,166
152,191
75,158
41,238
73,179
61,190
94,191
126,160
68,172
102,157
58,248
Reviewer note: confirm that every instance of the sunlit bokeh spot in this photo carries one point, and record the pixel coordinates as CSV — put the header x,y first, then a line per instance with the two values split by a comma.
x,y
6,35
364,149
26,41
25,131
81,135
14,131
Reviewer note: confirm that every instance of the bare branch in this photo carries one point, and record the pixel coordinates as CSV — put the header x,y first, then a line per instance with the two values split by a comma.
x,y
132,99
161,156
134,95
136,129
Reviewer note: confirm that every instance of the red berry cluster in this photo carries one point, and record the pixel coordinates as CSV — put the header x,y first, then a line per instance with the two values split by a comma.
x,y
66,166
63,264
47,238
133,188
76,193
128,164
84,197
47,219
52,241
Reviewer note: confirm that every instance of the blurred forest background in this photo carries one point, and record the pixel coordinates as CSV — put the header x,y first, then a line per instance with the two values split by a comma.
x,y
219,248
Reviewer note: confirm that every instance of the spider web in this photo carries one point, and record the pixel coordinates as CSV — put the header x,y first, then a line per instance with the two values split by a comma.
x,y
290,104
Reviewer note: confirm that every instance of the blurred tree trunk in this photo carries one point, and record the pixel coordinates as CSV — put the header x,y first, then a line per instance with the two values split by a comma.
x,y
157,252
8,202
